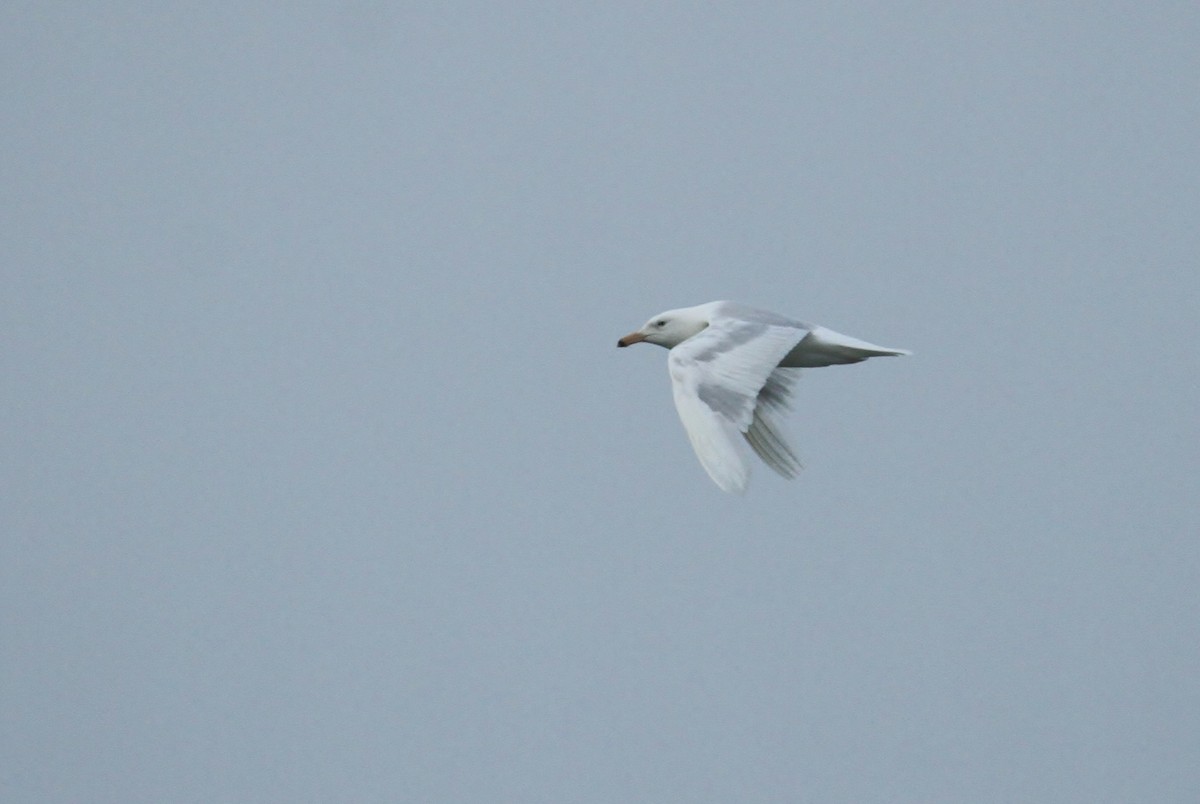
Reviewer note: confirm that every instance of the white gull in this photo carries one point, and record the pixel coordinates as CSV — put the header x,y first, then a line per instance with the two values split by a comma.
x,y
732,369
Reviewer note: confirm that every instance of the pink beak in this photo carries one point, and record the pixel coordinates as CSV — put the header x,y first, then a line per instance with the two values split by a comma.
x,y
631,339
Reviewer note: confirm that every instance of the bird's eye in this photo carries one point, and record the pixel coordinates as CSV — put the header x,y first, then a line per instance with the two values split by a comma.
x,y
662,323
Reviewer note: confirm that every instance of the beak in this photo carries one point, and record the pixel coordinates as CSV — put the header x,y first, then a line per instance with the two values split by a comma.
x,y
631,339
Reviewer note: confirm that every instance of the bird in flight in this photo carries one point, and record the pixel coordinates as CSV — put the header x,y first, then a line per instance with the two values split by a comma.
x,y
732,369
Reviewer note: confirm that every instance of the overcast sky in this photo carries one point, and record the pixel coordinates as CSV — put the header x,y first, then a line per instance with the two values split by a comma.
x,y
323,479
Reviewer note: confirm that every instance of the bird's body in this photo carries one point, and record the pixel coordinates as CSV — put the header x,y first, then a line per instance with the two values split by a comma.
x,y
732,369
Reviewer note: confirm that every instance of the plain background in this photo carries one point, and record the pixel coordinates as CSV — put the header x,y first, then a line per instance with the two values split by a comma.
x,y
323,479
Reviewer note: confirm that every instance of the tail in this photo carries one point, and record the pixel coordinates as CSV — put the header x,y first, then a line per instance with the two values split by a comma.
x,y
824,347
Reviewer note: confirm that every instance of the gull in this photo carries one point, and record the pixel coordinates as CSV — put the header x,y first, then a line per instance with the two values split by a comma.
x,y
732,369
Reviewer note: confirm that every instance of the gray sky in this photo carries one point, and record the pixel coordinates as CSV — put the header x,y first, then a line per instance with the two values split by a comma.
x,y
324,479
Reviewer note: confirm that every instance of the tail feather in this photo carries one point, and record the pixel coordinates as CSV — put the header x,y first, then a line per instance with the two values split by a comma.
x,y
824,347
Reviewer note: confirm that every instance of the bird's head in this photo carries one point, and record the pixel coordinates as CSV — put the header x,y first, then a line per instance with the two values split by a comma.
x,y
668,329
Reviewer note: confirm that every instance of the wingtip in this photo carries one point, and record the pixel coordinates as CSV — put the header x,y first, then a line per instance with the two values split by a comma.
x,y
731,479
729,483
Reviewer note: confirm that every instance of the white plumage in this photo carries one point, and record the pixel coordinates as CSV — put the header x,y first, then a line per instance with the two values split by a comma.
x,y
732,368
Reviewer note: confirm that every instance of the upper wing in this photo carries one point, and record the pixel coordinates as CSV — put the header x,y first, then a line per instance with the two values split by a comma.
x,y
718,377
